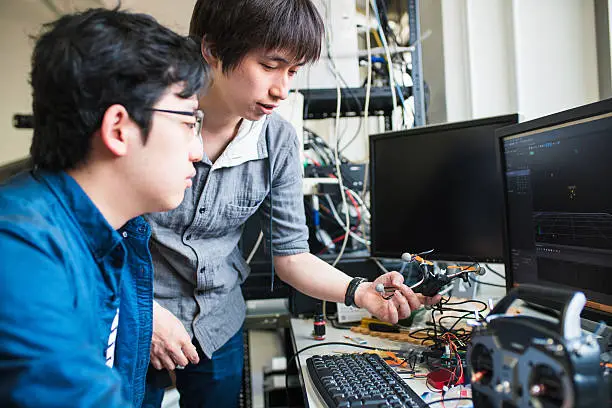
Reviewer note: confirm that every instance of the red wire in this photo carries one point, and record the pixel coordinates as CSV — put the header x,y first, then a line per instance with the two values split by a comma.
x,y
316,163
353,228
350,195
336,240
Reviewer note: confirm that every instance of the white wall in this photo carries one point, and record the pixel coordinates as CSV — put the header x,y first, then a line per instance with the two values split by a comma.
x,y
491,62
458,83
175,14
556,58
531,57
610,25
433,70
20,19
602,35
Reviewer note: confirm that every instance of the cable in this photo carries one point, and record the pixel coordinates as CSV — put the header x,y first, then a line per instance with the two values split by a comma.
x,y
377,262
486,283
271,212
334,69
325,159
431,334
466,301
494,271
255,247
458,319
348,89
456,322
334,322
387,52
338,343
317,142
416,285
384,18
366,109
443,400
339,221
359,200
403,103
344,204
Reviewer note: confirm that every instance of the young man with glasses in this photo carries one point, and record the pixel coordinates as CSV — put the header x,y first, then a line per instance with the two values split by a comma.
x,y
116,133
254,52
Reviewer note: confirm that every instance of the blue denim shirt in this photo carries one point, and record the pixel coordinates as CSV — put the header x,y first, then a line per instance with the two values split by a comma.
x,y
64,274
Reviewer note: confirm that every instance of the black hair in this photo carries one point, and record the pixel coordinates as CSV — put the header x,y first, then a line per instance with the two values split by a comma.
x,y
233,28
85,62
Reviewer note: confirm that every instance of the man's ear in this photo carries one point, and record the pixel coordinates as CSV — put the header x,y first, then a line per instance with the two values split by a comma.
x,y
208,52
116,128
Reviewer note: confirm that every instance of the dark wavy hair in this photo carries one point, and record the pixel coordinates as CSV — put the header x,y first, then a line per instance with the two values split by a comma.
x,y
233,28
85,62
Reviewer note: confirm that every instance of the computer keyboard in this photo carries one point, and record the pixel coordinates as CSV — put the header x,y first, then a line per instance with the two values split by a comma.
x,y
360,380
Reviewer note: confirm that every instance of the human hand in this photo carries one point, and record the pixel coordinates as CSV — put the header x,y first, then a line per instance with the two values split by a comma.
x,y
399,306
170,346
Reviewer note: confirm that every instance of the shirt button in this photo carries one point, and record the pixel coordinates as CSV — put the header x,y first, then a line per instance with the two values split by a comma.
x,y
201,210
188,237
202,270
124,233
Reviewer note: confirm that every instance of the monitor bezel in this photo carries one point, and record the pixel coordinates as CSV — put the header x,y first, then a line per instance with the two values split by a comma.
x,y
506,120
555,119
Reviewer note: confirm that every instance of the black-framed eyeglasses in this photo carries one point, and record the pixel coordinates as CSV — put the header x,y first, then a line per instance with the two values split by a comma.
x,y
197,114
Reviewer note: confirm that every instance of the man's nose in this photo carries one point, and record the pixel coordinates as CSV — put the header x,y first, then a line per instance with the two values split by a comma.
x,y
280,90
196,151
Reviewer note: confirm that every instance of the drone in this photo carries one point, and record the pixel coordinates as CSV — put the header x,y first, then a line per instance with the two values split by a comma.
x,y
431,281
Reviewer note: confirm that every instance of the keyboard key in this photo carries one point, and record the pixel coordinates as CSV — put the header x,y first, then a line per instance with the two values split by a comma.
x,y
360,380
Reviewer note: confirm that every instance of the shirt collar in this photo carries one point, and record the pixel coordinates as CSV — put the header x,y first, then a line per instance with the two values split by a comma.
x,y
100,236
245,146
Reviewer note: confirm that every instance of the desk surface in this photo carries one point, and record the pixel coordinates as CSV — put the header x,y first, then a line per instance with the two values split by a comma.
x,y
301,332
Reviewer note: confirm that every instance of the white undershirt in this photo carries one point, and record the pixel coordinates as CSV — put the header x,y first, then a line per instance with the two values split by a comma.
x,y
244,146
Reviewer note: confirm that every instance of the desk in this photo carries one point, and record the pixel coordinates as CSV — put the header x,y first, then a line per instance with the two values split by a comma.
x,y
301,336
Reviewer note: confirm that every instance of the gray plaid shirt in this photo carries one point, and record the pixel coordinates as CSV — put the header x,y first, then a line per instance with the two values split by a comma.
x,y
198,266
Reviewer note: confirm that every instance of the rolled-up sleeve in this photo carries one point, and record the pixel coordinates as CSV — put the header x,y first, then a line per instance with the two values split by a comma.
x,y
289,231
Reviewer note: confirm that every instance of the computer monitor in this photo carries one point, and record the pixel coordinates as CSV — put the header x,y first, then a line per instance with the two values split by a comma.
x,y
438,187
558,199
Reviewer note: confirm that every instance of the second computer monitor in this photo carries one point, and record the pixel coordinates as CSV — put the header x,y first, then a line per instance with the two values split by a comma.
x,y
559,204
439,187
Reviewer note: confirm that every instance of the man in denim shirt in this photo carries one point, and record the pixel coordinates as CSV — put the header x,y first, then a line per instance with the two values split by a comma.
x,y
116,132
254,48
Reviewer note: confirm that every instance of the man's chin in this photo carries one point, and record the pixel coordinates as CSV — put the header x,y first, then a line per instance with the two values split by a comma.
x,y
172,203
255,116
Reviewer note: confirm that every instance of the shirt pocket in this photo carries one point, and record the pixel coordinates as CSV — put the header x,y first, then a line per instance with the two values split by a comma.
x,y
237,214
231,214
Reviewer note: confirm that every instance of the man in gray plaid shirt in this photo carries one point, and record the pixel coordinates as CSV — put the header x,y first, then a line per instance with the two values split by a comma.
x,y
253,51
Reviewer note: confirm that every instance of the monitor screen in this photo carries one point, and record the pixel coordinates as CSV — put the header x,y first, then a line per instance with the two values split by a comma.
x,y
559,203
438,187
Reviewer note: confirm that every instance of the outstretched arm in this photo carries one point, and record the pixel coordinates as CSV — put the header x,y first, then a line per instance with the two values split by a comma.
x,y
318,279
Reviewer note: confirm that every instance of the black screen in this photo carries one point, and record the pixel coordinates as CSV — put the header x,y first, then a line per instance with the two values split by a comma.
x,y
559,207
439,187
